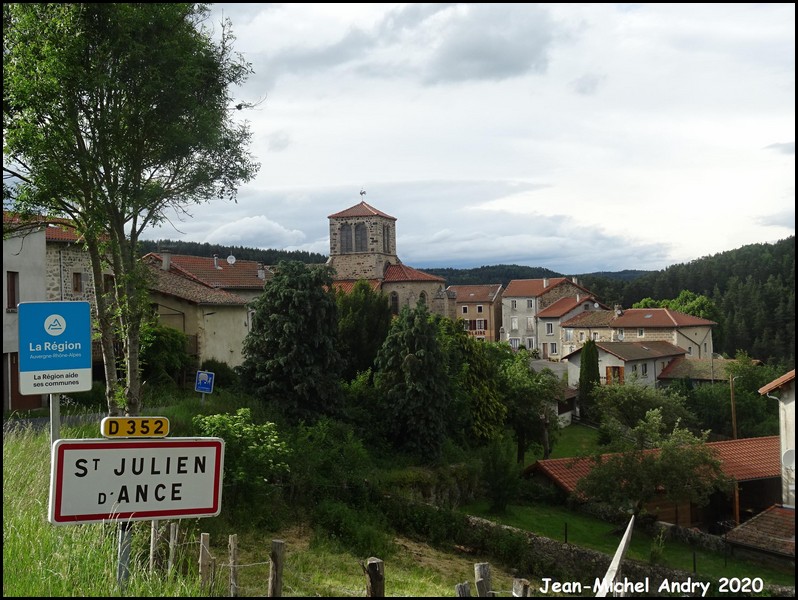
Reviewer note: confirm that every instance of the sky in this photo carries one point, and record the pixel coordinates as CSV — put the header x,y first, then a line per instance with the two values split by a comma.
x,y
575,137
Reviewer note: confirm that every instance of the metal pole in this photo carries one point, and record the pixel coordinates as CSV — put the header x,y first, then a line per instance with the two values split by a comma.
x,y
734,412
123,567
55,418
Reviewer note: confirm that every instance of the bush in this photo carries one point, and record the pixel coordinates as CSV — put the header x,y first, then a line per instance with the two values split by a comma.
x,y
501,475
223,374
91,399
163,355
363,533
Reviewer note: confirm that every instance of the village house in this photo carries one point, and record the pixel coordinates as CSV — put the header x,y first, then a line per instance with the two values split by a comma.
x,y
480,308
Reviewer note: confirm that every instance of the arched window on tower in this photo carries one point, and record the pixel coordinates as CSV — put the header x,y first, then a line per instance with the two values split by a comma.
x,y
360,238
394,303
422,297
346,238
386,242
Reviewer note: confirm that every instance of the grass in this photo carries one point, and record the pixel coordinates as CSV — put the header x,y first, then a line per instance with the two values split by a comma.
x,y
575,440
588,532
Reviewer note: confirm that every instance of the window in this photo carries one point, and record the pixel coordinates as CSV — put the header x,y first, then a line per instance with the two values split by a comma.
x,y
12,290
513,304
386,236
581,336
640,332
644,369
361,241
530,343
514,343
634,369
620,333
108,283
423,298
569,334
587,306
394,303
479,308
77,282
530,303
595,336
553,348
481,324
530,322
514,323
466,325
689,350
549,328
346,238
465,310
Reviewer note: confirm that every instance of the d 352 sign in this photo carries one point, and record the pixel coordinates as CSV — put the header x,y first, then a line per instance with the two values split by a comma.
x,y
133,427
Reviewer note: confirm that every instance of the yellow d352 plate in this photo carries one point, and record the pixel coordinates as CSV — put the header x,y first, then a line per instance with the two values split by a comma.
x,y
134,427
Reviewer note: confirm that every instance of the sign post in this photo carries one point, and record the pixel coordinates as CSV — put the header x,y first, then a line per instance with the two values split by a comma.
x,y
204,384
54,352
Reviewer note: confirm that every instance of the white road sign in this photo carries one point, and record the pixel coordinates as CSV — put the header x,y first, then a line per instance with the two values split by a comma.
x,y
94,480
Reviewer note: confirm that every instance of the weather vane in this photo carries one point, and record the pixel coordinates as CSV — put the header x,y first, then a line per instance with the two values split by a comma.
x,y
362,192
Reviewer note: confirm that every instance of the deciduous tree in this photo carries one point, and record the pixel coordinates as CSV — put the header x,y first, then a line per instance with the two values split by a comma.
x,y
116,116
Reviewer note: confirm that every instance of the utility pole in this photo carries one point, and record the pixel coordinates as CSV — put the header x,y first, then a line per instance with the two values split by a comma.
x,y
734,412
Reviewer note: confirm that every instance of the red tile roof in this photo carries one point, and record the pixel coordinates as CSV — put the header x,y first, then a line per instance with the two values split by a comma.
x,y
361,210
346,285
744,460
591,318
657,317
218,273
772,530
565,305
532,288
477,293
777,383
175,282
697,369
400,272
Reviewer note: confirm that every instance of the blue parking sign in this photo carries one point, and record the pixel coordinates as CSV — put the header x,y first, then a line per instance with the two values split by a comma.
x,y
204,383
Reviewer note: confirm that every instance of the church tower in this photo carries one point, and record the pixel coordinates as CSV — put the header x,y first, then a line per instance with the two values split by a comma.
x,y
362,242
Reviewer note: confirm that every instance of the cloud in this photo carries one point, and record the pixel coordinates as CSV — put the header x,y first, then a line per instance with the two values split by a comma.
x,y
784,148
254,232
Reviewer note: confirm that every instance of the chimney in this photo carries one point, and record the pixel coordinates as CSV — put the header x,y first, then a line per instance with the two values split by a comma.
x,y
545,282
618,310
578,298
216,262
261,271
575,280
166,259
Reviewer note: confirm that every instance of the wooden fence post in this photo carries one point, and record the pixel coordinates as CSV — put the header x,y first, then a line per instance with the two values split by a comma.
x,y
232,545
462,590
205,560
276,570
520,588
375,577
482,577
173,530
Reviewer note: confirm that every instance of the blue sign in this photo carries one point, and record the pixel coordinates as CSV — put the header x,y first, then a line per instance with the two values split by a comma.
x,y
54,347
204,382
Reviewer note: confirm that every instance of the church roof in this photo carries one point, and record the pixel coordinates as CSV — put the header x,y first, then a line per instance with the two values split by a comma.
x,y
361,210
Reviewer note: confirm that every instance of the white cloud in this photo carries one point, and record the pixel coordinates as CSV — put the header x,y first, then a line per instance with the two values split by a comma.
x,y
576,137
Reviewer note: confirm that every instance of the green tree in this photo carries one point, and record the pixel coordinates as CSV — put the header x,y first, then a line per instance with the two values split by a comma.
x,y
413,380
620,408
114,117
531,400
364,317
477,411
589,379
654,460
291,355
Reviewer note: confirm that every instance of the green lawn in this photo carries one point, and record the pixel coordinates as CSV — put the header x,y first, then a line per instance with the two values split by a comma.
x,y
575,440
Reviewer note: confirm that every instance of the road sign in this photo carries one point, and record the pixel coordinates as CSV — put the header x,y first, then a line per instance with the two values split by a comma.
x,y
94,480
134,427
204,382
54,347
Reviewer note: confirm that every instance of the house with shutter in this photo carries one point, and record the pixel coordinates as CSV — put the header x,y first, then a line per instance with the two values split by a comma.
x,y
480,309
621,362
363,247
522,302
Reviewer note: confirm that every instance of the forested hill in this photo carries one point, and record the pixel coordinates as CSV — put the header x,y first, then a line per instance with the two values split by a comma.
x,y
752,286
267,257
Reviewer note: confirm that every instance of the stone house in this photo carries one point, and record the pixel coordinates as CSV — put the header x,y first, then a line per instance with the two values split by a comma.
x,y
523,300
480,309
